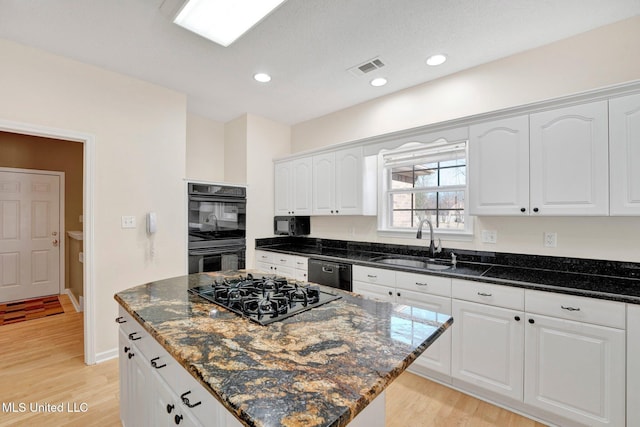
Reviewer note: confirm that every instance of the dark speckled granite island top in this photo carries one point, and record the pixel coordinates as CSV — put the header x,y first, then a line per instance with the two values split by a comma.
x,y
317,368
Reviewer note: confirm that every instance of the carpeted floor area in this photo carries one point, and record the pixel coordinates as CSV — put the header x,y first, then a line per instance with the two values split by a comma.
x,y
19,311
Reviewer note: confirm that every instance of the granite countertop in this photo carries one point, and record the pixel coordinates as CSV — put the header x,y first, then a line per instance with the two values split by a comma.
x,y
591,278
320,367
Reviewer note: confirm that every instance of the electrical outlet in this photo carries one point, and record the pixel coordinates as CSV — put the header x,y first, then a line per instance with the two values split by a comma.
x,y
550,239
489,236
128,221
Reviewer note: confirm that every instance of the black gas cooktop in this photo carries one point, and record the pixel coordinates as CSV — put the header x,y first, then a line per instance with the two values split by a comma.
x,y
265,299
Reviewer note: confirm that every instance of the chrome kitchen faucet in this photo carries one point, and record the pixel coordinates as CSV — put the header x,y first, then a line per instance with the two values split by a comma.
x,y
433,249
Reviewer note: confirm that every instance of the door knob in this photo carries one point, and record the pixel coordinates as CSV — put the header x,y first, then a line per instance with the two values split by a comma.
x,y
55,242
55,233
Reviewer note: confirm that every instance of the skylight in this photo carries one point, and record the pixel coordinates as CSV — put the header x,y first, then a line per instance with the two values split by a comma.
x,y
223,21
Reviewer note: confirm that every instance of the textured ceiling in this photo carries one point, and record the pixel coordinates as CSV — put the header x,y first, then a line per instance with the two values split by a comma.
x,y
306,45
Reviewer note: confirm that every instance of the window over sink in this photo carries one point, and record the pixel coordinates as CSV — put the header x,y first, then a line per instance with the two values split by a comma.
x,y
424,181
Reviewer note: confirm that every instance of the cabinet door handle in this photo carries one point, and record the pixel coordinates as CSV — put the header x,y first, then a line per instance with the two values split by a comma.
x,y
517,318
126,349
523,210
398,293
133,337
570,308
390,293
532,321
130,355
185,400
120,320
170,408
536,209
155,365
422,284
483,294
177,419
371,276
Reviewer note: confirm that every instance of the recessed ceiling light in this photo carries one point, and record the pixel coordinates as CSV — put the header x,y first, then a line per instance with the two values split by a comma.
x,y
223,21
438,59
378,81
262,77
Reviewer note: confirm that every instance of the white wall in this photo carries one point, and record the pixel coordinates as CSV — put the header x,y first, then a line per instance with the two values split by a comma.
x,y
139,131
205,149
266,140
599,58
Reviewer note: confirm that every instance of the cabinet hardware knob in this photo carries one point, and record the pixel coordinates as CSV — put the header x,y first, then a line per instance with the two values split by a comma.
x,y
517,318
482,294
185,400
155,364
523,210
398,293
126,349
331,211
570,308
130,355
177,419
133,337
170,408
390,293
371,276
422,284
120,320
337,211
532,321
536,209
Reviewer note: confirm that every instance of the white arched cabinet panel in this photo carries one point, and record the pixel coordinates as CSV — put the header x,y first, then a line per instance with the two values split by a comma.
x,y
569,164
324,182
301,188
499,167
292,187
624,155
349,181
282,188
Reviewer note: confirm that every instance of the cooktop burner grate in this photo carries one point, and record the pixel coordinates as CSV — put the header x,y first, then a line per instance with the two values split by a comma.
x,y
266,299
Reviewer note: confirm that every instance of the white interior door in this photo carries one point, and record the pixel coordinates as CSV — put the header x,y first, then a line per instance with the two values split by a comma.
x,y
29,235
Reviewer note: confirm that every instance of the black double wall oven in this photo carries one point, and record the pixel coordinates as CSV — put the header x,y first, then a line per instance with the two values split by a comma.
x,y
217,215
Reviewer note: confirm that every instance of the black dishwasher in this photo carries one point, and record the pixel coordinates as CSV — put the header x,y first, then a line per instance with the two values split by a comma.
x,y
329,273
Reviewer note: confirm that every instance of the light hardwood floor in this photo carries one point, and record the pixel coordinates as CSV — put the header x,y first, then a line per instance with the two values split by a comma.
x,y
41,361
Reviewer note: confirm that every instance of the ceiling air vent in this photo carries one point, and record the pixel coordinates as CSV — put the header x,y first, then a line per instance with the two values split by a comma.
x,y
367,67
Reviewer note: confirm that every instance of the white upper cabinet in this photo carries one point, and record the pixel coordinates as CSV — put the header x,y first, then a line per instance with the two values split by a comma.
x,y
624,155
569,167
293,187
499,167
338,182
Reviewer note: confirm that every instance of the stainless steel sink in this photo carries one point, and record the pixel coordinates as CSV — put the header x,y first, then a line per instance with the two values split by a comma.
x,y
414,262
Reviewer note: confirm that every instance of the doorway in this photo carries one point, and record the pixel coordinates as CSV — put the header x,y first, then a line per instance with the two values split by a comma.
x,y
78,217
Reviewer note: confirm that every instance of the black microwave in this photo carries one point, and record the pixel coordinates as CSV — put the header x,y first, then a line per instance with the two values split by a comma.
x,y
291,225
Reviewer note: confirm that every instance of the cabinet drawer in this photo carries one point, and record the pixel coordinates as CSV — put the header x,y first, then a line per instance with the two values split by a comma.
x,y
187,388
263,256
434,285
284,260
301,263
570,307
374,275
161,361
487,293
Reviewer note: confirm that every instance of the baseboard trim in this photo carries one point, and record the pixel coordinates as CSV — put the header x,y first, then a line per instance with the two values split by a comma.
x,y
106,355
73,299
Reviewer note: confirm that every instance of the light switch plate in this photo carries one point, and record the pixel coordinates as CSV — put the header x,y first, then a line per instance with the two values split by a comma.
x,y
128,221
489,236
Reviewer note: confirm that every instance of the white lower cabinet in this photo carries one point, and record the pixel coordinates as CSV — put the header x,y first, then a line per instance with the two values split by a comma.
x,y
488,339
155,390
576,369
291,266
417,290
633,365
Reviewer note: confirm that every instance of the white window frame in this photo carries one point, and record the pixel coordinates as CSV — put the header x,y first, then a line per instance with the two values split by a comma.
x,y
384,192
